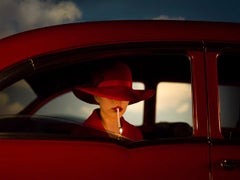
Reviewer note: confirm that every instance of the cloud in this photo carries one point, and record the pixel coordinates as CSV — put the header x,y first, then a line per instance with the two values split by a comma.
x,y
14,98
165,17
21,15
183,108
175,96
6,107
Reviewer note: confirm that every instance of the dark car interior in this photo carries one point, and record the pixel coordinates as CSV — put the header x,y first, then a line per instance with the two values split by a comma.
x,y
53,74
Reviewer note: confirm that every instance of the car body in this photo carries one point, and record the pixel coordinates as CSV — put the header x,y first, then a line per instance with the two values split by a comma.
x,y
190,127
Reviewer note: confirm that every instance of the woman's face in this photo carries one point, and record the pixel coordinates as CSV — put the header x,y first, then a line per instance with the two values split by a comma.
x,y
108,107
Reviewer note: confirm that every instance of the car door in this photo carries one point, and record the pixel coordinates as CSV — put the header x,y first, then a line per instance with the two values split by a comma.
x,y
154,62
168,151
223,82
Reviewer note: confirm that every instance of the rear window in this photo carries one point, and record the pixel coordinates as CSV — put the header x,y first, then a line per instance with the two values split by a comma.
x,y
229,95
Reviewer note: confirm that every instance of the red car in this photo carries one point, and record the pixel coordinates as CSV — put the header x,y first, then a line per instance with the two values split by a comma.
x,y
191,126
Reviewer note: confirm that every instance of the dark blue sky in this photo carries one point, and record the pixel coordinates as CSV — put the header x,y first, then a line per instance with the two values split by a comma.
x,y
21,15
209,10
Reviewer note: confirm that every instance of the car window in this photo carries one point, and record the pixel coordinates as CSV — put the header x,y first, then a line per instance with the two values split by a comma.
x,y
229,95
174,102
16,97
69,106
168,113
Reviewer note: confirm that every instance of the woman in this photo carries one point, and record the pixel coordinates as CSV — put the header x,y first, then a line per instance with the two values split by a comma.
x,y
112,90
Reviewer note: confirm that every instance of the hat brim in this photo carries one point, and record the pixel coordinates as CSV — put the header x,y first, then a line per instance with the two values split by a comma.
x,y
118,93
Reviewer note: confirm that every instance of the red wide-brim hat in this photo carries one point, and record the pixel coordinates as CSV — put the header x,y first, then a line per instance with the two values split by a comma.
x,y
114,82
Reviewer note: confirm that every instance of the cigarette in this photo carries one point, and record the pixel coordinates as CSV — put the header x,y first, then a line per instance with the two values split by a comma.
x,y
119,122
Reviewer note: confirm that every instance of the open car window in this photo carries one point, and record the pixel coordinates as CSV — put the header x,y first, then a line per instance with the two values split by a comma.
x,y
46,91
70,107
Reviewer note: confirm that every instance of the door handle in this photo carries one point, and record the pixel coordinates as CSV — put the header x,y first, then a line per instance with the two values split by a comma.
x,y
229,164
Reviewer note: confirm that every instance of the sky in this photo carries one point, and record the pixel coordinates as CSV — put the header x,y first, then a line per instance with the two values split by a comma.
x,y
21,15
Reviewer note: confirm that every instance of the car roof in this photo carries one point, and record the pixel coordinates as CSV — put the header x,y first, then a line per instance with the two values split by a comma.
x,y
64,37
